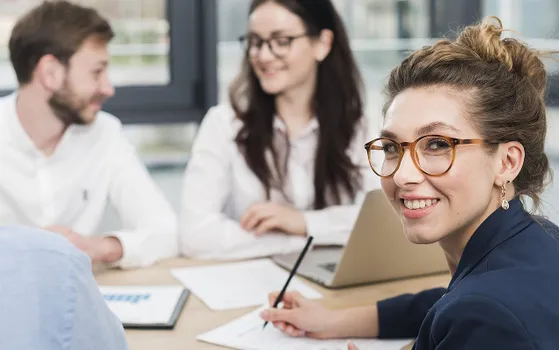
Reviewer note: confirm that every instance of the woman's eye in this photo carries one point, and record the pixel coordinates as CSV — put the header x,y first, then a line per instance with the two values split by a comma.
x,y
390,148
282,41
435,145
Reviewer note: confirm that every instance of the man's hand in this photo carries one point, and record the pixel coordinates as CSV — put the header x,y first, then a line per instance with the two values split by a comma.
x,y
265,217
99,248
351,346
63,230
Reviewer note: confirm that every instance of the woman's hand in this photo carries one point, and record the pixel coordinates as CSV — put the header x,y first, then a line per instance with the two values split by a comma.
x,y
301,317
265,217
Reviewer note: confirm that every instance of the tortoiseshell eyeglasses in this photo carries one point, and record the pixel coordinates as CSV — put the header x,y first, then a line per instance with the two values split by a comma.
x,y
432,154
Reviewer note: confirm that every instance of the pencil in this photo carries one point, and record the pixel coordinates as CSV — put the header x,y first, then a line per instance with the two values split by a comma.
x,y
291,274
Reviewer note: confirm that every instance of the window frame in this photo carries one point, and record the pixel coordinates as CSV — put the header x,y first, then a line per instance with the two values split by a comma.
x,y
192,69
446,17
452,15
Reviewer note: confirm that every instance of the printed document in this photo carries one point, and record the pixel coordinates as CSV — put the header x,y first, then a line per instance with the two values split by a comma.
x,y
148,305
239,284
246,333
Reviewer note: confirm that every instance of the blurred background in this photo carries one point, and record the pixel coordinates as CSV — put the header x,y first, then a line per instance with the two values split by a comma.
x,y
173,59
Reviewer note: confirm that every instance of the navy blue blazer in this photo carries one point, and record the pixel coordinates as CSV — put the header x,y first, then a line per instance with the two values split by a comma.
x,y
503,295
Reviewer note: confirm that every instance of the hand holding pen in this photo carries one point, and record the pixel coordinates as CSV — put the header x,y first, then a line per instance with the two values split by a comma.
x,y
300,316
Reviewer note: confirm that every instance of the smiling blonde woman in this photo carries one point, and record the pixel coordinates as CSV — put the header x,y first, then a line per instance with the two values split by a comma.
x,y
462,144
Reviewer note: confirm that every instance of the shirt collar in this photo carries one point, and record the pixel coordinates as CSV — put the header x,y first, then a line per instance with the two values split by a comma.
x,y
17,134
500,226
19,137
311,127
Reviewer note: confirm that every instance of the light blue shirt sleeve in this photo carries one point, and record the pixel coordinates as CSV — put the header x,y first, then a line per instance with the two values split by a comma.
x,y
48,297
90,322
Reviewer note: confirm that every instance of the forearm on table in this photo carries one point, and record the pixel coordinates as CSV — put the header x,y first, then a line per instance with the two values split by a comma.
x,y
356,322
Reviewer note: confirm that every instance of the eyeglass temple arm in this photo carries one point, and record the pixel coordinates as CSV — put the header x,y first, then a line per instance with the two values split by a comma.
x,y
478,142
368,146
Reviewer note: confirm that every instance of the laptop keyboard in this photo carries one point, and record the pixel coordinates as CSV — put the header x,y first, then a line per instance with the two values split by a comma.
x,y
329,266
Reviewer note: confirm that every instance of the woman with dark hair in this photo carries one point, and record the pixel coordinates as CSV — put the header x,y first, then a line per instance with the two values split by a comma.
x,y
286,160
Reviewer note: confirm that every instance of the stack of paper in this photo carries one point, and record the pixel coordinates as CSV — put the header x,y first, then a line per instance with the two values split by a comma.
x,y
246,333
239,284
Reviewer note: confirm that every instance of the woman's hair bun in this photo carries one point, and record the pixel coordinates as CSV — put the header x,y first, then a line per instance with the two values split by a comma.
x,y
485,42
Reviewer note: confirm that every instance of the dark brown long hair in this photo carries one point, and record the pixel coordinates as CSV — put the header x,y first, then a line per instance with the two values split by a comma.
x,y
337,104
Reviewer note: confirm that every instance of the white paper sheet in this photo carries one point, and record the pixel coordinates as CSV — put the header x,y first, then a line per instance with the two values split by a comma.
x,y
239,284
142,304
246,333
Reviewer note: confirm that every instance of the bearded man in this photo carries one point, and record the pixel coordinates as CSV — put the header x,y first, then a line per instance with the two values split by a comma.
x,y
62,159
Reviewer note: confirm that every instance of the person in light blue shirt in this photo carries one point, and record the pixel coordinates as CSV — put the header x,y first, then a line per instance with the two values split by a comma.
x,y
48,297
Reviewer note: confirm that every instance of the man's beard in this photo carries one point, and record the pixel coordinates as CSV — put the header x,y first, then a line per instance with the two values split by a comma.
x,y
68,107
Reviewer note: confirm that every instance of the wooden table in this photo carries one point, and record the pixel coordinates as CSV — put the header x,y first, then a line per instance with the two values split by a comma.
x,y
196,318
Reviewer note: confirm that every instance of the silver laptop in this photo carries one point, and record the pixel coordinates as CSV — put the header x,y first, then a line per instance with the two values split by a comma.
x,y
376,251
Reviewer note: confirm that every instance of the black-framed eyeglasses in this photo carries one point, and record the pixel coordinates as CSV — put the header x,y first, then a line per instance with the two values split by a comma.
x,y
279,45
432,154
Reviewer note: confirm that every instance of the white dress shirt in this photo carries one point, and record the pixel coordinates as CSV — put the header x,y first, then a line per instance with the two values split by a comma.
x,y
219,187
91,166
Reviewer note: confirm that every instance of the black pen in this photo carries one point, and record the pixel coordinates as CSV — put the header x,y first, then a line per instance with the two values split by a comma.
x,y
291,274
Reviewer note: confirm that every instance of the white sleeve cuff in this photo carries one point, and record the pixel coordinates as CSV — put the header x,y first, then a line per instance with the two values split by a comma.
x,y
133,254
